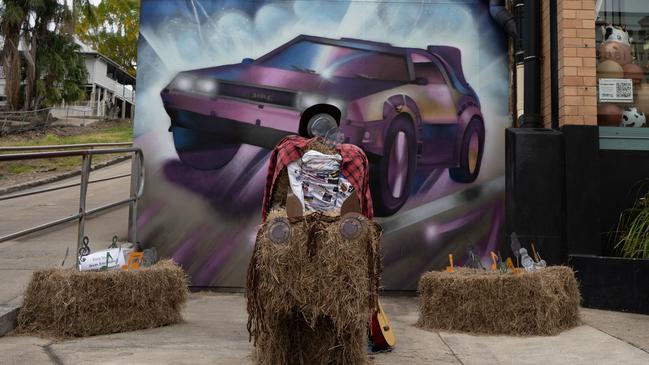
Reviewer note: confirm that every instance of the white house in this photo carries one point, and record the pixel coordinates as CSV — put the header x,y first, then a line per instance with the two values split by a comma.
x,y
109,88
3,96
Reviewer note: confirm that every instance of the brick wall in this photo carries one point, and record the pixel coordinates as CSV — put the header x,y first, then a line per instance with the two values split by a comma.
x,y
577,65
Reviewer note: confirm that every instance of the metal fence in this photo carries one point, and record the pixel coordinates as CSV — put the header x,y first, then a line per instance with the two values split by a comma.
x,y
85,151
88,110
18,121
67,112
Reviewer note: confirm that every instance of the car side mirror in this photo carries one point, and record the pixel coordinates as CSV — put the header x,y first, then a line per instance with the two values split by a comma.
x,y
420,81
247,61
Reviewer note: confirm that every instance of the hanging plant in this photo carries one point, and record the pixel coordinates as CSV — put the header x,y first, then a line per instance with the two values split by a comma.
x,y
633,229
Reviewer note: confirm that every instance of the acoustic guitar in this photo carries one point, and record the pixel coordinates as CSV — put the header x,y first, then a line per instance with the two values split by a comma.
x,y
381,332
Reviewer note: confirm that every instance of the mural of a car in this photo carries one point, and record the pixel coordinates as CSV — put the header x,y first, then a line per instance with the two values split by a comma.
x,y
408,108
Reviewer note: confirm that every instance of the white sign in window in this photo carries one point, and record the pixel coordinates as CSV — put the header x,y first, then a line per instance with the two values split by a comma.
x,y
616,90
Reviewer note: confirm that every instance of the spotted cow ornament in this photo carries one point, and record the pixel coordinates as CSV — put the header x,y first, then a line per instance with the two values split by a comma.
x,y
631,117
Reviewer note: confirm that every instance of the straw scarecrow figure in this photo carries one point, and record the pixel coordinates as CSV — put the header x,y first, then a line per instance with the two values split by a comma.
x,y
313,278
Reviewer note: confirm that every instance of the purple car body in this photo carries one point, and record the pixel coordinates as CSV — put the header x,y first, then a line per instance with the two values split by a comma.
x,y
407,108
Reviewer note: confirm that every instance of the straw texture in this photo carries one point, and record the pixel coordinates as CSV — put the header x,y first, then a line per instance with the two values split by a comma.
x,y
477,301
65,303
309,298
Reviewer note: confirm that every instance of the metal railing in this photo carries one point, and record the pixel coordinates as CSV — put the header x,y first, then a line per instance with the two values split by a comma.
x,y
86,152
63,146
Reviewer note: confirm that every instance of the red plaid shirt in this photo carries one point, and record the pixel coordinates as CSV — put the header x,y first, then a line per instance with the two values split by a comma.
x,y
354,168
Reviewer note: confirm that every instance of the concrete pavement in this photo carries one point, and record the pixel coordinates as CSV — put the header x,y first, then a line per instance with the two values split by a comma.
x,y
19,257
214,330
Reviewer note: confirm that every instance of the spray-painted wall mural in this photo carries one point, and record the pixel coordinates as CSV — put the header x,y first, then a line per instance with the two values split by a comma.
x,y
420,86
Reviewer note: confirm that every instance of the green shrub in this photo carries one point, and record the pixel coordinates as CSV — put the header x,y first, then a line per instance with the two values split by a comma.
x,y
633,230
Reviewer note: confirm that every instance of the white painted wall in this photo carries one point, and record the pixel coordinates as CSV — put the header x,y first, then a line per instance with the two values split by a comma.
x,y
2,82
90,61
97,68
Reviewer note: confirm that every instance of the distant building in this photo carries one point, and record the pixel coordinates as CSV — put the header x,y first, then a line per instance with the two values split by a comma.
x,y
3,96
110,90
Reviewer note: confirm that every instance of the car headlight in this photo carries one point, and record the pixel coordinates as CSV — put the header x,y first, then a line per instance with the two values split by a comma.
x,y
187,83
182,83
206,86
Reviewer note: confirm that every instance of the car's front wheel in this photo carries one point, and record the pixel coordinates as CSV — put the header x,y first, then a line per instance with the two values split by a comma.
x,y
470,154
203,150
391,175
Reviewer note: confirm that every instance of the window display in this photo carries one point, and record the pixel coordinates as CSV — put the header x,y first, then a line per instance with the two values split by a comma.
x,y
622,63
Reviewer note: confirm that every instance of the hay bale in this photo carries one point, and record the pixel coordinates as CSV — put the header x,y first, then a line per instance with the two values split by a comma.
x,y
67,303
294,341
309,298
477,301
278,199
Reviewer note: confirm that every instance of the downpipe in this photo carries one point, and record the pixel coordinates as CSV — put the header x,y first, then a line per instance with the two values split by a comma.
x,y
531,117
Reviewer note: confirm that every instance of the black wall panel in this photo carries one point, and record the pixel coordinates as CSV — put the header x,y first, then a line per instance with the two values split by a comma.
x,y
612,283
624,177
582,189
534,190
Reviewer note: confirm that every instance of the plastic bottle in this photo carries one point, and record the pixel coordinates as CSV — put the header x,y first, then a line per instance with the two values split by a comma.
x,y
527,261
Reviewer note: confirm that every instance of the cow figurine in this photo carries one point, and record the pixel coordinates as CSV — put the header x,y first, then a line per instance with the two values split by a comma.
x,y
616,45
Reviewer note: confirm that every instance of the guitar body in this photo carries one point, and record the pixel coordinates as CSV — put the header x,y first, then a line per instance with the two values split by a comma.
x,y
381,332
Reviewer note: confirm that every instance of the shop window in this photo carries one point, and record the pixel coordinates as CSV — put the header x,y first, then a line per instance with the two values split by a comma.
x,y
622,65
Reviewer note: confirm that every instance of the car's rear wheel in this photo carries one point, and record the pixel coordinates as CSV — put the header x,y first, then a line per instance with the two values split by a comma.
x,y
203,150
391,175
470,153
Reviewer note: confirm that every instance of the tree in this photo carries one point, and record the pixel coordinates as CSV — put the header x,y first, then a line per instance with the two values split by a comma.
x,y
13,15
112,30
54,68
72,14
61,70
44,13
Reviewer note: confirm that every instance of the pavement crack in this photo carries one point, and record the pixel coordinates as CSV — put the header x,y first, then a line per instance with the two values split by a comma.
x,y
50,353
621,339
449,348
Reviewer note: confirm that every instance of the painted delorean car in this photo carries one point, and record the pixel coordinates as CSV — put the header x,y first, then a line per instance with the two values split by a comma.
x,y
407,108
